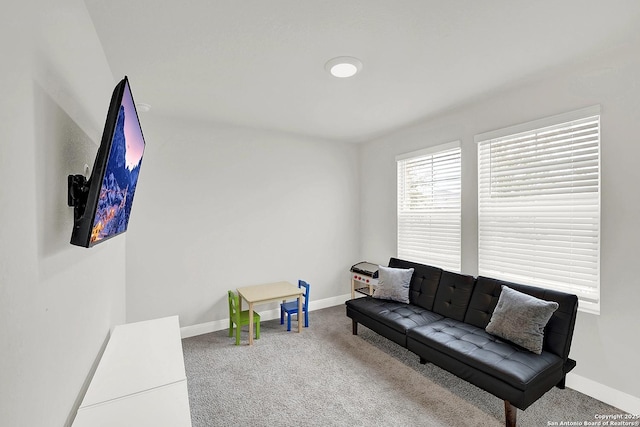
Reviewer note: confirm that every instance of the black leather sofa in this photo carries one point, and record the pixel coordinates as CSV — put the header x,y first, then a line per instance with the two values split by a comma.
x,y
444,324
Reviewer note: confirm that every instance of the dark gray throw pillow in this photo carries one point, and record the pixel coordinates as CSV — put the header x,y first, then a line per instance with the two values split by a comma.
x,y
521,319
393,284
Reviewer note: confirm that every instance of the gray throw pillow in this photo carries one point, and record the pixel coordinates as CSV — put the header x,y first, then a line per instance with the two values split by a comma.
x,y
521,318
393,284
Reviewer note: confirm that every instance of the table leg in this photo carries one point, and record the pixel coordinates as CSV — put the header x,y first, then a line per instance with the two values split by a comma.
x,y
250,323
300,315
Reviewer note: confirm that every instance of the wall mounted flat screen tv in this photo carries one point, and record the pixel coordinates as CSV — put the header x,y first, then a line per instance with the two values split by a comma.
x,y
102,204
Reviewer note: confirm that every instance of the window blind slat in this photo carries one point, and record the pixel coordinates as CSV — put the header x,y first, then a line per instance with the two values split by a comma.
x,y
539,207
429,217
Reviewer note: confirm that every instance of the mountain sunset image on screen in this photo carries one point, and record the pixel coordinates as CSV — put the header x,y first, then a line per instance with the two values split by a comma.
x,y
121,175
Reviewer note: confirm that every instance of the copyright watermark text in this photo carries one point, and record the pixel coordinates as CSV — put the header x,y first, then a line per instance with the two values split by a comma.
x,y
602,420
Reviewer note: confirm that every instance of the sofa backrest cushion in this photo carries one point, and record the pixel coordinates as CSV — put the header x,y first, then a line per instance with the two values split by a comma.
x,y
559,330
424,282
454,293
483,301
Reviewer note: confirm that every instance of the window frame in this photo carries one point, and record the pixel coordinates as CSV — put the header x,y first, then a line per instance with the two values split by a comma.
x,y
433,213
589,295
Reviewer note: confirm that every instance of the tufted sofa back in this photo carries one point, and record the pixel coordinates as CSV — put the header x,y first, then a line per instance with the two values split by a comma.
x,y
454,293
424,282
465,298
437,290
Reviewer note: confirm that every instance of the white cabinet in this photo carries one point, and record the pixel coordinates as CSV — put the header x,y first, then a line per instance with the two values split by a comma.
x,y
140,380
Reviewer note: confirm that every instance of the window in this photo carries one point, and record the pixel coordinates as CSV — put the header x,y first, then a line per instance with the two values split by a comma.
x,y
429,184
539,204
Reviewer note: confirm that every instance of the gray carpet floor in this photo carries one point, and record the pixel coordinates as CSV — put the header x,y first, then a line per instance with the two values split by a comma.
x,y
325,376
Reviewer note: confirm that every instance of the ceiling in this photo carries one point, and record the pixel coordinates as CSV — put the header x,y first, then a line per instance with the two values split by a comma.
x,y
260,63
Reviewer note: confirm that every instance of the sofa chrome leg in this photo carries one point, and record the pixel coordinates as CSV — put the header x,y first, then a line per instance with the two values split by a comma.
x,y
510,414
354,327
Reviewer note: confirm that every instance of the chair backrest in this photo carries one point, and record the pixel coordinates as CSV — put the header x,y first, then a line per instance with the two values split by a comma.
x,y
305,293
233,304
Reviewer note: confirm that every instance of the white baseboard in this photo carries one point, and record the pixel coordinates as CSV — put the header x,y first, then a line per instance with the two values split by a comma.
x,y
203,328
606,394
218,325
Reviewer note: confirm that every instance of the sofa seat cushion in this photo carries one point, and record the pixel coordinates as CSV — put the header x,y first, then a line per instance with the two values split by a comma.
x,y
485,352
393,314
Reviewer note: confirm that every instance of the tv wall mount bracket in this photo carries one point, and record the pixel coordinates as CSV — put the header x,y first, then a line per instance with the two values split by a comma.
x,y
78,193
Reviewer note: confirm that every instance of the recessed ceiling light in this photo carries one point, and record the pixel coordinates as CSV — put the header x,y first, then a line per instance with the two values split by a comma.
x,y
343,66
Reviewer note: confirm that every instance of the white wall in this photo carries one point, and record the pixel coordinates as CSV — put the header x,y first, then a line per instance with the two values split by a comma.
x,y
57,302
222,207
604,346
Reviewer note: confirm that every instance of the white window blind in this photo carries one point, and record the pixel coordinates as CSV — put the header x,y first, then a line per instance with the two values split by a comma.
x,y
429,183
539,205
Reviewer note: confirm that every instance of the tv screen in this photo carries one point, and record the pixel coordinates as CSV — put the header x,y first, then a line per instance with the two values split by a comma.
x,y
102,204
